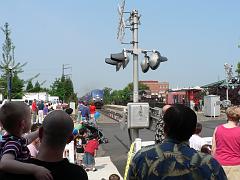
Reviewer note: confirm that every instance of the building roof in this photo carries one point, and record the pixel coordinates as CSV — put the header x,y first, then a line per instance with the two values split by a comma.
x,y
218,83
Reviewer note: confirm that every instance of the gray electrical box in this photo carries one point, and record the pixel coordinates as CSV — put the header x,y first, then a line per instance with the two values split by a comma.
x,y
212,105
138,115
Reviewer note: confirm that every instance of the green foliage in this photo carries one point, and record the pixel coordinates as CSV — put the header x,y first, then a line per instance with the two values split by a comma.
x,y
121,96
37,87
63,88
107,95
238,69
8,61
29,87
8,65
17,86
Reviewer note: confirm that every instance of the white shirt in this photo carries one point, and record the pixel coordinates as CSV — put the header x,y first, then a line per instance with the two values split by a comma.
x,y
196,142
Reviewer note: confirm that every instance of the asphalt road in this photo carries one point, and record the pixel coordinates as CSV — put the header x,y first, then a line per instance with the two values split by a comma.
x,y
119,143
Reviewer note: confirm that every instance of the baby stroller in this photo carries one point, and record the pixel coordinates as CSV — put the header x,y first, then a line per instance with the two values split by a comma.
x,y
92,129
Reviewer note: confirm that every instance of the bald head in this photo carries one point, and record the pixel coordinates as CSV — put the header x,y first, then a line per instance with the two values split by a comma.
x,y
165,108
57,129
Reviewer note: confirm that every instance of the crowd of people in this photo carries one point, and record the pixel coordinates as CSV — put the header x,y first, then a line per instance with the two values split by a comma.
x,y
33,141
173,158
35,151
181,153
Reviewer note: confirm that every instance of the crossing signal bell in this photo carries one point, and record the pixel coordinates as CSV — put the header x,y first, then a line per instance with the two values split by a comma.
x,y
153,61
118,60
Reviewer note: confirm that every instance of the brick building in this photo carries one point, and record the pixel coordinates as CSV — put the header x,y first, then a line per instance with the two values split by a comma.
x,y
157,89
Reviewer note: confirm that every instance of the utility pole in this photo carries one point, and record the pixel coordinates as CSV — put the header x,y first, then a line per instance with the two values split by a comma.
x,y
135,21
122,59
64,67
229,75
9,74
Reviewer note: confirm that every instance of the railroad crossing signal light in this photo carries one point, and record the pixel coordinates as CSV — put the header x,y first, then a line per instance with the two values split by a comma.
x,y
118,59
156,59
153,61
145,64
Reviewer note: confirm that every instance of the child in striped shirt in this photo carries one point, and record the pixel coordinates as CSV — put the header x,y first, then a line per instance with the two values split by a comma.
x,y
15,118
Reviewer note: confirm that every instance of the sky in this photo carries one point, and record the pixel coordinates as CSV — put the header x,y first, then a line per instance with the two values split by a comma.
x,y
197,37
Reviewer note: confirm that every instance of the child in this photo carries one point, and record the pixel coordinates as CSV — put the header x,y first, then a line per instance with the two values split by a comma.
x,y
90,152
196,142
80,144
114,177
45,110
34,146
15,118
206,148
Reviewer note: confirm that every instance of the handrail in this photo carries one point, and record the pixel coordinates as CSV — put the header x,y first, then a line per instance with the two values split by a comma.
x,y
119,113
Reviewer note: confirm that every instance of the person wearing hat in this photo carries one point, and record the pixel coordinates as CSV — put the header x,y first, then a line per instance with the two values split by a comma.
x,y
226,143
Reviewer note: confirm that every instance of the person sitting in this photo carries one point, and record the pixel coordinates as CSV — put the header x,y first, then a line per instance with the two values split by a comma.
x,y
196,141
55,133
174,159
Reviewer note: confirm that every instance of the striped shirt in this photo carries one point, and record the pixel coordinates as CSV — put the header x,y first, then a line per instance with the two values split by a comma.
x,y
16,146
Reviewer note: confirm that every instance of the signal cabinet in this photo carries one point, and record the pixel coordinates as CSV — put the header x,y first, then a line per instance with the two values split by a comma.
x,y
138,115
212,105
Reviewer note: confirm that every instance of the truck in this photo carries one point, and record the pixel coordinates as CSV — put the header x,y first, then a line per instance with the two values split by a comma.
x,y
39,96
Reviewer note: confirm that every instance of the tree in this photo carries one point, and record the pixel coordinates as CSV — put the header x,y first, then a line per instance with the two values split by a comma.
x,y
29,87
17,88
107,95
63,88
8,66
37,87
238,69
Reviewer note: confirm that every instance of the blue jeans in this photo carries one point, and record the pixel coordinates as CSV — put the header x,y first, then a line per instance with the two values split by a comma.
x,y
88,160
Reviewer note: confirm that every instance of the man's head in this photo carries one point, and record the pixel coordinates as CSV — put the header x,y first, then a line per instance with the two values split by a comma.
x,y
165,108
15,117
179,122
198,128
56,130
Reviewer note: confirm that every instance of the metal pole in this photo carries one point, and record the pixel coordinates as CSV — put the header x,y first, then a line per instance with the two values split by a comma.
x,y
227,92
9,84
135,18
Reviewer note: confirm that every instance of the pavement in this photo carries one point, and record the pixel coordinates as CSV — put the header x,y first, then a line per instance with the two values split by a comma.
x,y
201,117
119,143
105,168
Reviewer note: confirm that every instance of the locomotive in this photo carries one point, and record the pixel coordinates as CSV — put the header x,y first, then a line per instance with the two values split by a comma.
x,y
95,96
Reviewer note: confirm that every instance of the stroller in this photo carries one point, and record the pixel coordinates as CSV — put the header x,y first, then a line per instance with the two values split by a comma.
x,y
92,129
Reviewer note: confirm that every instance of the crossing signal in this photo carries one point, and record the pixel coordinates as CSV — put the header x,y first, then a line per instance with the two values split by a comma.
x,y
118,60
145,64
153,61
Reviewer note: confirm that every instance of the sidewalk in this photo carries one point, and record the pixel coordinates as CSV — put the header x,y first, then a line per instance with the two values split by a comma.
x,y
104,167
202,117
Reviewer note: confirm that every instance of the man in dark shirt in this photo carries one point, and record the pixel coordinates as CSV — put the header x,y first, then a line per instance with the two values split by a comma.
x,y
55,132
174,159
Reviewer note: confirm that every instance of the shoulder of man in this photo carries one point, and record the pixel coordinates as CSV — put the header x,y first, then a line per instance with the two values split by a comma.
x,y
208,161
76,172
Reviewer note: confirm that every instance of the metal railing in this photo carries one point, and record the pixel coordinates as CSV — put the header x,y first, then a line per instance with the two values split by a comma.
x,y
119,113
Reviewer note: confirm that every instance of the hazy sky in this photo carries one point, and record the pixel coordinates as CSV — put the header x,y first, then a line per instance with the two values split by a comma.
x,y
198,37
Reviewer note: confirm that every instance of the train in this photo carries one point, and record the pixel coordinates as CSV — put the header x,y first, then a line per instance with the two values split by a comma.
x,y
95,96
